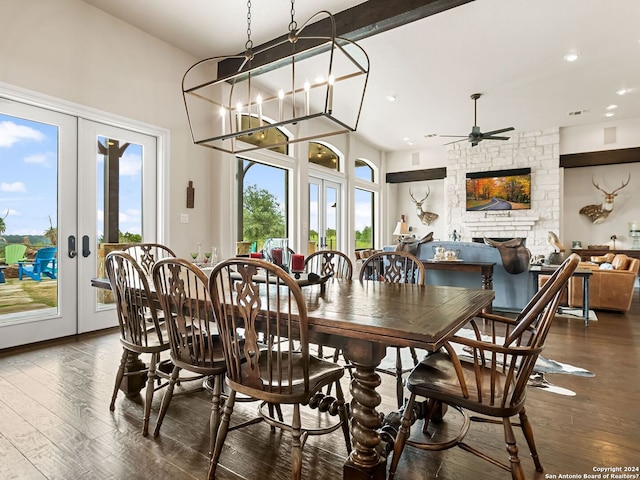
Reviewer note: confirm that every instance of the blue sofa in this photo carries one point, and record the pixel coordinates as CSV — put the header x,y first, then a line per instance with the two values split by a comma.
x,y
512,291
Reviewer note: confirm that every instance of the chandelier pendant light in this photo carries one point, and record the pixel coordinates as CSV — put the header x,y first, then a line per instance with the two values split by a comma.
x,y
315,90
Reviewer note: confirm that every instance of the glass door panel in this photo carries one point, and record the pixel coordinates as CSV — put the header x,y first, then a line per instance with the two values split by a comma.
x,y
37,215
314,218
324,215
118,168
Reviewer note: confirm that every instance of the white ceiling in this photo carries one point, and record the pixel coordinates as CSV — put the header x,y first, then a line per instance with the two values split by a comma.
x,y
511,51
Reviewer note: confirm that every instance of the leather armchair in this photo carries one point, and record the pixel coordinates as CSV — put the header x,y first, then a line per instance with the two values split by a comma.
x,y
608,289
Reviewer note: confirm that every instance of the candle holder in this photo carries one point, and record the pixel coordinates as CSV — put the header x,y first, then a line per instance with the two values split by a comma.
x,y
276,250
297,265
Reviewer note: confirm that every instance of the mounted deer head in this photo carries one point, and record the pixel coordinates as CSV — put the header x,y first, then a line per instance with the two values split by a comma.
x,y
425,217
599,213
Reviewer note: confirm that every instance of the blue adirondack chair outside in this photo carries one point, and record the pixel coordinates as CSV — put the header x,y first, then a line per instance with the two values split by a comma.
x,y
44,263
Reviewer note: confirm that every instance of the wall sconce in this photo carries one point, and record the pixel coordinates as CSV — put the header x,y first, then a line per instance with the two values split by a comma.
x,y
191,195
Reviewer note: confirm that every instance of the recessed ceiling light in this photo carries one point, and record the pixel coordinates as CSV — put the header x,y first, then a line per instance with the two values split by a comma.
x,y
405,139
410,143
612,107
622,91
571,57
391,98
609,114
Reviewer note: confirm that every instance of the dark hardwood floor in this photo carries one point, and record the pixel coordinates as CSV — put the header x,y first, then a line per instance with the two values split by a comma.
x,y
55,421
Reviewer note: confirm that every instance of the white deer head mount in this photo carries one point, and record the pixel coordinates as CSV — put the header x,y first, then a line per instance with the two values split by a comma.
x,y
425,217
599,213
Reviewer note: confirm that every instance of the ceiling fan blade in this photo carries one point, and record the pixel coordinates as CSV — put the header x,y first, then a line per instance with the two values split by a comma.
x,y
494,138
454,136
493,132
455,141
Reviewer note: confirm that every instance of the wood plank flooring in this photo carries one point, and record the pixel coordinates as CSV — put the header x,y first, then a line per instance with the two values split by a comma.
x,y
55,421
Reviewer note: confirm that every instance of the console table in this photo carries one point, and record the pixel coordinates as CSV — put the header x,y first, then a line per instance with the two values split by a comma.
x,y
485,269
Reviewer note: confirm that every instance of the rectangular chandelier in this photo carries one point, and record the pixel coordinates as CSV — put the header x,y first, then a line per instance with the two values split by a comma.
x,y
316,91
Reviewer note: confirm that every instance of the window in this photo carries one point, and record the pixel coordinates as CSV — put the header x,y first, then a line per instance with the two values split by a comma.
x,y
364,215
120,218
324,156
364,171
366,197
263,191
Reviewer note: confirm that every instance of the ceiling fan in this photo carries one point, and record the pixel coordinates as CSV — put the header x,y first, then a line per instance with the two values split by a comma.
x,y
476,136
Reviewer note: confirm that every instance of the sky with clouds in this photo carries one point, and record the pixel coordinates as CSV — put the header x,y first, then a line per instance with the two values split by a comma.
x,y
29,179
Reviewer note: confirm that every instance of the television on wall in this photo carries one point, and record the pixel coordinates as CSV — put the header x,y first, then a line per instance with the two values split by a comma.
x,y
499,190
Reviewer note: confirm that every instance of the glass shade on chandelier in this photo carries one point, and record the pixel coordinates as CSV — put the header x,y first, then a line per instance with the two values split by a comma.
x,y
316,90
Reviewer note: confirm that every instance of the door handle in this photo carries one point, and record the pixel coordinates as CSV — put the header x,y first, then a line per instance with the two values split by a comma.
x,y
85,246
71,243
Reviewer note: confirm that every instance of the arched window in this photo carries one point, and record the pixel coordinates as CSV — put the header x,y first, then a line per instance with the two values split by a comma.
x,y
269,136
324,155
364,171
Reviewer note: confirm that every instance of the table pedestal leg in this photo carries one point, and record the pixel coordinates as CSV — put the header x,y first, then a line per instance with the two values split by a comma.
x,y
365,461
132,385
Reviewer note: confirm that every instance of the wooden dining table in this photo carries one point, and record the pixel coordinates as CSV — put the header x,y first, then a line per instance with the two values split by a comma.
x,y
363,318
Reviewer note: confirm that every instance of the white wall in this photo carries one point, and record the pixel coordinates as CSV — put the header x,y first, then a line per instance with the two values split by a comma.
x,y
579,190
591,138
74,52
399,200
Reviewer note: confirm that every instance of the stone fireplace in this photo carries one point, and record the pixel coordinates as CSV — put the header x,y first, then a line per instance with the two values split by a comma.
x,y
539,151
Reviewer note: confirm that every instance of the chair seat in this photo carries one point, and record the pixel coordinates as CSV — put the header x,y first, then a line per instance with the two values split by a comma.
x,y
212,362
321,373
153,341
436,378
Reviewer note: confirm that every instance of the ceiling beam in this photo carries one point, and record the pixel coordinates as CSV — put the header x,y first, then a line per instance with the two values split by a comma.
x,y
362,21
603,157
417,175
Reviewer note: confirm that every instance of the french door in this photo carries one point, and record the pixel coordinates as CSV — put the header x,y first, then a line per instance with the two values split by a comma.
x,y
324,215
117,173
55,172
34,142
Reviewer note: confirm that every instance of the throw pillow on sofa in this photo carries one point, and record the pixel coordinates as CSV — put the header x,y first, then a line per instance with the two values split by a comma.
x,y
620,262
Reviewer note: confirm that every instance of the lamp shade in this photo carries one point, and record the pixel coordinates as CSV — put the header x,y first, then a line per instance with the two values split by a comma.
x,y
401,227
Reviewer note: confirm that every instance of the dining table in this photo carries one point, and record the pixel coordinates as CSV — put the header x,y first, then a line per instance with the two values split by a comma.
x,y
363,318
